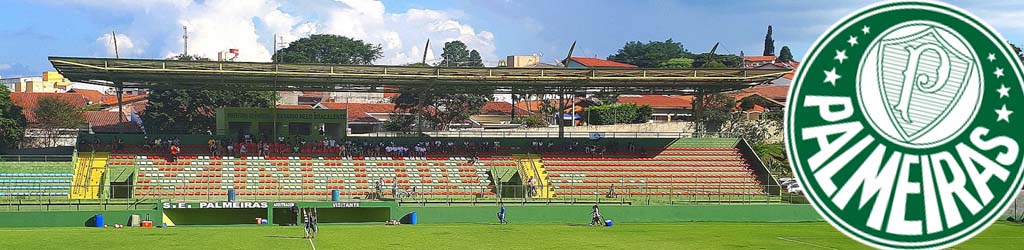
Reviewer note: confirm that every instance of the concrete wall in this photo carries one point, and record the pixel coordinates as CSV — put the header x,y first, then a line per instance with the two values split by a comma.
x,y
581,214
433,215
72,218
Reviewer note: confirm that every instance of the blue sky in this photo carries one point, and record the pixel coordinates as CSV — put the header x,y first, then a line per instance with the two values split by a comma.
x,y
33,30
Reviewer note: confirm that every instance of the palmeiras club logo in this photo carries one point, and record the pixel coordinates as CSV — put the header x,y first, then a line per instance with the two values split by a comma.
x,y
901,125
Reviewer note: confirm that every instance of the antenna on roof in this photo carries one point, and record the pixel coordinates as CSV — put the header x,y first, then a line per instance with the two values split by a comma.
x,y
711,55
425,48
113,36
565,63
186,39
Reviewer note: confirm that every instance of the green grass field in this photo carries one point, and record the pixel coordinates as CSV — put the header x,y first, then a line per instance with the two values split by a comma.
x,y
812,235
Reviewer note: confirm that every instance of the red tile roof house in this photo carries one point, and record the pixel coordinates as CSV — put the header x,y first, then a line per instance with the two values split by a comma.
x,y
590,62
756,61
99,121
362,117
497,115
667,108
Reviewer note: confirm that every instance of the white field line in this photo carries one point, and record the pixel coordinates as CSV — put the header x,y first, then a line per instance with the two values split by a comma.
x,y
803,242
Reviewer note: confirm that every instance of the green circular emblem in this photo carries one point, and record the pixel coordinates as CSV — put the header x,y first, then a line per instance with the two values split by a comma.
x,y
901,125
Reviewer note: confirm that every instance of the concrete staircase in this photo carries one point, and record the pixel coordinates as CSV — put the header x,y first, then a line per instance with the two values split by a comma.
x,y
531,166
88,178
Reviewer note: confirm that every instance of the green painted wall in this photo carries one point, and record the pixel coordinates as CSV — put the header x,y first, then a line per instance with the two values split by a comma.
x,y
366,212
183,217
281,118
432,215
581,214
72,218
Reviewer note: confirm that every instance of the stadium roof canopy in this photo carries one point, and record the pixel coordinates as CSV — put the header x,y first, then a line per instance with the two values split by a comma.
x,y
141,73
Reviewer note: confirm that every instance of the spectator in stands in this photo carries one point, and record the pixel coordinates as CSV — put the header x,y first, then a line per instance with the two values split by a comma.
x,y
230,147
595,216
294,214
156,142
379,188
611,191
120,143
83,144
531,187
95,143
266,149
212,144
174,153
394,188
146,143
242,149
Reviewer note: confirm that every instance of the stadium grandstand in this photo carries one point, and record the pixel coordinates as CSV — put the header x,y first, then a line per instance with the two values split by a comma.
x,y
385,177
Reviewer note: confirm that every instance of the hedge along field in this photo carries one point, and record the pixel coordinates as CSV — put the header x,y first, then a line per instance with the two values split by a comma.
x,y
619,113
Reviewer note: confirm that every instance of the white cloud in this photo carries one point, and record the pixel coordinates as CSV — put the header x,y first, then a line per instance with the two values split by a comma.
x,y
4,66
250,25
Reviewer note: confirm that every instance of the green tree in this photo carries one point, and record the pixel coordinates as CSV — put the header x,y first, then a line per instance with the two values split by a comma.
x,y
474,59
443,106
773,155
54,116
714,65
330,49
677,63
446,104
400,122
716,110
651,54
187,110
12,121
769,43
726,61
1017,50
454,54
785,55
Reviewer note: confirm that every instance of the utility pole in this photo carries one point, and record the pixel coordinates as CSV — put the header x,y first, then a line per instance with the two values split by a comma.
x,y
113,36
425,48
185,37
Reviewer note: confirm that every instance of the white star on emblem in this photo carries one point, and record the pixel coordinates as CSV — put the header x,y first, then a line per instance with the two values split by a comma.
x,y
831,76
1003,91
991,57
1004,114
841,55
852,41
866,29
999,72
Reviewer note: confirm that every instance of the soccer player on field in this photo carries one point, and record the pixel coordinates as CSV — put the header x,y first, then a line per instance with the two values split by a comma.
x,y
501,215
307,223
